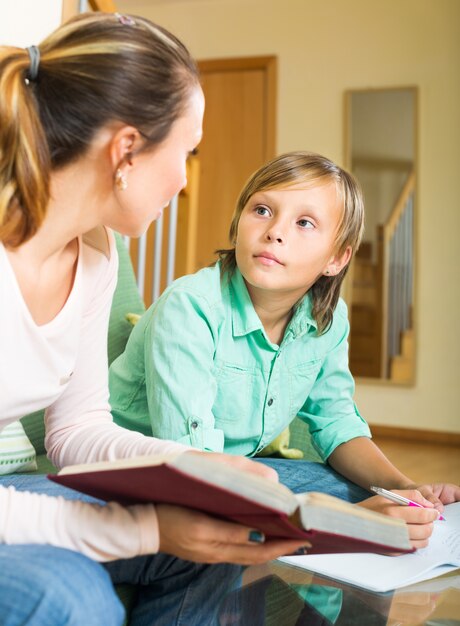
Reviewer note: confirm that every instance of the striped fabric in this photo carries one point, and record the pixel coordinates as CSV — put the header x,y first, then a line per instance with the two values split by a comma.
x,y
16,452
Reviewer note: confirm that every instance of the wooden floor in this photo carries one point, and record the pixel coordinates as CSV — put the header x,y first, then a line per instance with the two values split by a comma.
x,y
423,462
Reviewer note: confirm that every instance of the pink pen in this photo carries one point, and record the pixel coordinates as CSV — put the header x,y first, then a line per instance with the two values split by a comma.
x,y
395,497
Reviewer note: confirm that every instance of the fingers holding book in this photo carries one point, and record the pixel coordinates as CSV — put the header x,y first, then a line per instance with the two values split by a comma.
x,y
194,536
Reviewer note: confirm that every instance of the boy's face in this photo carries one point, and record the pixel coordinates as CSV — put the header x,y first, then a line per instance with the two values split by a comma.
x,y
286,238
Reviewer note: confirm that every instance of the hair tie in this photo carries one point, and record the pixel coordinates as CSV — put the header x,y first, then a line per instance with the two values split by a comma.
x,y
34,55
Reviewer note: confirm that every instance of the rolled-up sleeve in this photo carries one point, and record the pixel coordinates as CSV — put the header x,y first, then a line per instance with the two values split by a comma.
x,y
179,370
330,411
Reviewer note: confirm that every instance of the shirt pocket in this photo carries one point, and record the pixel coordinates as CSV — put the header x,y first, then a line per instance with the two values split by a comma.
x,y
233,403
301,378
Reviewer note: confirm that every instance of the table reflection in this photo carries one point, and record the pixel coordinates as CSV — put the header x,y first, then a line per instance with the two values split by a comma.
x,y
281,595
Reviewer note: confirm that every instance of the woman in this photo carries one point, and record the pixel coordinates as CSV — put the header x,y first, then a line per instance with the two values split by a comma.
x,y
95,127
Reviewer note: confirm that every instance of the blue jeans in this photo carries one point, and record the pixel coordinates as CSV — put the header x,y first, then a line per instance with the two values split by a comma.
x,y
48,586
302,476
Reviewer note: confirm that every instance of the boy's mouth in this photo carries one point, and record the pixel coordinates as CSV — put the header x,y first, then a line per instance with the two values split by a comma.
x,y
267,258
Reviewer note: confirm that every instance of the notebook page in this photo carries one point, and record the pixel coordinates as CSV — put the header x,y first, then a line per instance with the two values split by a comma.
x,y
384,573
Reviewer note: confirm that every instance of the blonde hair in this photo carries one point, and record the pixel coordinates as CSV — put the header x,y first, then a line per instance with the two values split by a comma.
x,y
291,169
94,69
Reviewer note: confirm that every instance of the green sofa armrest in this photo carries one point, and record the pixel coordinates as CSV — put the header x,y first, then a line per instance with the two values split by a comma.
x,y
300,438
126,300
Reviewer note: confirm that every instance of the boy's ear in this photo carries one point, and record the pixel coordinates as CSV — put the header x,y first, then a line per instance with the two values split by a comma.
x,y
338,262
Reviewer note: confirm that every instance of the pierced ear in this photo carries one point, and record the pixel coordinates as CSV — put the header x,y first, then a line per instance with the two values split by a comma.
x,y
337,263
122,146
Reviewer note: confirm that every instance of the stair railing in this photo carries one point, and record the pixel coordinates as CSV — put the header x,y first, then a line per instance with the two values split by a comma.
x,y
397,247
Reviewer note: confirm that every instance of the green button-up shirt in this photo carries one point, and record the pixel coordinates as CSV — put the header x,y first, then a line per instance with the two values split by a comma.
x,y
199,368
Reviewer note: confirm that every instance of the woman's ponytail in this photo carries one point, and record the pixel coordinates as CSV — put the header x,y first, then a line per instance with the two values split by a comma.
x,y
24,153
96,69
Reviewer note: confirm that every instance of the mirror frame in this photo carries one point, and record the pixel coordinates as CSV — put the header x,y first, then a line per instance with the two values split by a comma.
x,y
348,287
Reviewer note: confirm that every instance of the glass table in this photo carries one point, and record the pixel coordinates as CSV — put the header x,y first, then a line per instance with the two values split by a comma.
x,y
278,594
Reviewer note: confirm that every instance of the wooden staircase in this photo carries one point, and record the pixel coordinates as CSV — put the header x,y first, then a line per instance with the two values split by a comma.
x,y
366,325
402,365
365,335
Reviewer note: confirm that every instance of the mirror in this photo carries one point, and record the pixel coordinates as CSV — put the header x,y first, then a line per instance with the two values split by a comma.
x,y
380,144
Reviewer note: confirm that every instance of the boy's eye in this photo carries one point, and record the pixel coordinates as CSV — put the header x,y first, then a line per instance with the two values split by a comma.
x,y
304,223
262,210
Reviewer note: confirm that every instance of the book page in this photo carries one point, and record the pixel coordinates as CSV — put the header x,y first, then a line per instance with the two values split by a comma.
x,y
231,478
385,573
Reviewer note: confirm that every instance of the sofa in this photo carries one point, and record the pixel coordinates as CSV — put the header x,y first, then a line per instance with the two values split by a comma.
x,y
127,301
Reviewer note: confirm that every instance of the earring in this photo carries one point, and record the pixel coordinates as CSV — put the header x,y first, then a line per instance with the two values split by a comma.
x,y
327,272
120,180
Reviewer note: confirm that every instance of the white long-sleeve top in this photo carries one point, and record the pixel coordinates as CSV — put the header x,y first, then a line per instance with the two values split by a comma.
x,y
62,365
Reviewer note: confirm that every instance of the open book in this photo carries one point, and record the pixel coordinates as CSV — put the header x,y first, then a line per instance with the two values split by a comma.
x,y
198,482
385,573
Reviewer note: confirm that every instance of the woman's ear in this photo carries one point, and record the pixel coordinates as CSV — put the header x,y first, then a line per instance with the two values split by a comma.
x,y
338,262
124,142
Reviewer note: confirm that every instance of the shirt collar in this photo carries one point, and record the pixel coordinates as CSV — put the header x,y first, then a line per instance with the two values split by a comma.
x,y
302,319
245,320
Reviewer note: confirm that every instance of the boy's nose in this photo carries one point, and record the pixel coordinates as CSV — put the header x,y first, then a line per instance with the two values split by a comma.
x,y
273,235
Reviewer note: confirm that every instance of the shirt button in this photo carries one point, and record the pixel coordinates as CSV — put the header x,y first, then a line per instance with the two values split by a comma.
x,y
270,402
194,425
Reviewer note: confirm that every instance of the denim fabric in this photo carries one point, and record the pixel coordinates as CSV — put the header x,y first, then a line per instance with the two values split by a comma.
x,y
172,591
57,587
302,476
48,586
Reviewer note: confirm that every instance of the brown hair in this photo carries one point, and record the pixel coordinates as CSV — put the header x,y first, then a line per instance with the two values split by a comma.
x,y
290,169
94,69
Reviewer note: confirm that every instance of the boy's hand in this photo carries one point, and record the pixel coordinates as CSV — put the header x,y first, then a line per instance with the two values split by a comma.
x,y
419,520
440,493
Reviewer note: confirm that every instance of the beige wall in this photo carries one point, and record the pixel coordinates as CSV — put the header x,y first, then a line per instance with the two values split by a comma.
x,y
325,48
42,17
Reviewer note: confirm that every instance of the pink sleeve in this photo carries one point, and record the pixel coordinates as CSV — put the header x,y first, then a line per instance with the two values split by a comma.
x,y
103,533
79,426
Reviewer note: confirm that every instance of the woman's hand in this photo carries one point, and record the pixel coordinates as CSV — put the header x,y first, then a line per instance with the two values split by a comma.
x,y
197,537
241,463
419,520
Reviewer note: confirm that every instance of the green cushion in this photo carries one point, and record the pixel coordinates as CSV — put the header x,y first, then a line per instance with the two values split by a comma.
x,y
126,300
17,454
300,438
34,426
44,465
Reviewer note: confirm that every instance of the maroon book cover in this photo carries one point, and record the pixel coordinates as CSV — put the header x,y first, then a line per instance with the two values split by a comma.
x,y
166,484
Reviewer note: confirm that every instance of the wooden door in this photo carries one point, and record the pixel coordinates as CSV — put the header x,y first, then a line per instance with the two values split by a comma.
x,y
239,136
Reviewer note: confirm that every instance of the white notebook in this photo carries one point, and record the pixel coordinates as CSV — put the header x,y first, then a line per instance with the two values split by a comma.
x,y
385,573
